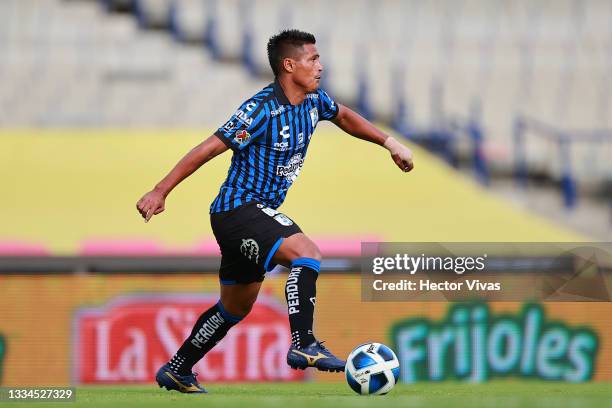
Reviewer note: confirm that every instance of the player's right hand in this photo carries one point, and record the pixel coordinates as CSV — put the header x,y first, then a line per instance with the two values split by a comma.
x,y
151,204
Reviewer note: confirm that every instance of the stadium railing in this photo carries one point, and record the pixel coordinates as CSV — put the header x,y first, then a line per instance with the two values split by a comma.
x,y
564,139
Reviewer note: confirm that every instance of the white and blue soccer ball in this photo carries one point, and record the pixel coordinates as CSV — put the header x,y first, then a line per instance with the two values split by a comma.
x,y
372,369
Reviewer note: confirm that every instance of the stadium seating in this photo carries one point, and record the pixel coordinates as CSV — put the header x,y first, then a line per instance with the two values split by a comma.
x,y
76,67
69,63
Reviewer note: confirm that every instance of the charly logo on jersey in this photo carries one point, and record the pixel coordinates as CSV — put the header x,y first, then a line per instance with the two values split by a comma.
x,y
314,116
283,145
292,169
285,132
250,249
242,136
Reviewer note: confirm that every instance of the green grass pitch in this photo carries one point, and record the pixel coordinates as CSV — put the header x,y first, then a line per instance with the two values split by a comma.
x,y
498,394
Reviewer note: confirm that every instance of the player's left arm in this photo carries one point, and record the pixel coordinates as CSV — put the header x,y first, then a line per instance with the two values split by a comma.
x,y
355,124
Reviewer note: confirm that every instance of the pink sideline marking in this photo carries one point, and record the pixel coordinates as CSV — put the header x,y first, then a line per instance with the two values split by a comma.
x,y
329,246
120,247
20,248
342,245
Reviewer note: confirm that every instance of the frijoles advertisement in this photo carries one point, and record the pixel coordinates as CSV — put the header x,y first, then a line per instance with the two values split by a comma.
x,y
104,329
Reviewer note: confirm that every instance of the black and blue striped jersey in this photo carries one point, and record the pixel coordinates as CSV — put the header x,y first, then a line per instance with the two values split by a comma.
x,y
269,137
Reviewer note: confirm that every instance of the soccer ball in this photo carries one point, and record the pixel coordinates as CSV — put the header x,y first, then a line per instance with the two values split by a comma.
x,y
372,369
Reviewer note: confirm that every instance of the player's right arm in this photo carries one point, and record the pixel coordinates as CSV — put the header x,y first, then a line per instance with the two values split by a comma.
x,y
246,125
153,202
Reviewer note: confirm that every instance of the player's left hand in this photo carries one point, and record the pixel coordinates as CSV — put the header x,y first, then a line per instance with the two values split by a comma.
x,y
401,155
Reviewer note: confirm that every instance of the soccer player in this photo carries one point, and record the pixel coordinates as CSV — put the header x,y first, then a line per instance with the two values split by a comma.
x,y
269,135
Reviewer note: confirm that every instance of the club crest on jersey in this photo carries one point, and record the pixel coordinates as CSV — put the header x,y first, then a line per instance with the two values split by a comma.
x,y
314,116
242,136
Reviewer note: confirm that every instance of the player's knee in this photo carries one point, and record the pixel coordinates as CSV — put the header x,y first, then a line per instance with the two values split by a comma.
x,y
244,309
305,250
310,251
239,308
294,247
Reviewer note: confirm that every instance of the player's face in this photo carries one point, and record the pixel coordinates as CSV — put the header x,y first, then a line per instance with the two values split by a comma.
x,y
308,68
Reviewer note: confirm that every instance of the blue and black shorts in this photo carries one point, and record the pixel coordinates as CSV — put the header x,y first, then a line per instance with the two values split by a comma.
x,y
249,236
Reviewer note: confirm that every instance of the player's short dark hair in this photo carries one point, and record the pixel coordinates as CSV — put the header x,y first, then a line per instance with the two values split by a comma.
x,y
282,45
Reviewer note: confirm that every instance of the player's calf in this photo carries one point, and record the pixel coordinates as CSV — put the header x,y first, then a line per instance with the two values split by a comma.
x,y
301,296
210,328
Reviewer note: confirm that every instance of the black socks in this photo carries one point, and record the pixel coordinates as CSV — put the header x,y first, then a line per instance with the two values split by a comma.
x,y
213,324
210,328
301,295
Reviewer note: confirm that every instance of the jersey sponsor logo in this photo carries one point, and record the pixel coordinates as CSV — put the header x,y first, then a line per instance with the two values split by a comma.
x,y
285,132
313,96
249,107
281,146
283,220
278,111
229,126
243,117
250,249
269,211
292,169
242,137
314,116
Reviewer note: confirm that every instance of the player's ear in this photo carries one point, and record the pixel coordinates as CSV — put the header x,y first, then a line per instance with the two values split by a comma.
x,y
288,64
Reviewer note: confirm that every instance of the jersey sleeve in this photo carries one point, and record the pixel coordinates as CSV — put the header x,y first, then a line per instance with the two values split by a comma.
x,y
247,124
328,108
